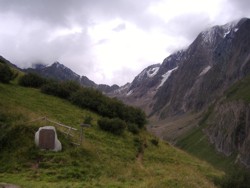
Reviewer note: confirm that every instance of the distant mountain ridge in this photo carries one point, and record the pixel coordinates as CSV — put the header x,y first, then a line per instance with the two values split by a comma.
x,y
59,71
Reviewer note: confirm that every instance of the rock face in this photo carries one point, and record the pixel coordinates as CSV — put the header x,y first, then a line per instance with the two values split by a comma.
x,y
229,129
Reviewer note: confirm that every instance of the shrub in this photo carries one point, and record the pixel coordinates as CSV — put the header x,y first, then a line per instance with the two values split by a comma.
x,y
133,128
135,115
6,75
155,141
32,80
62,90
115,126
87,98
88,119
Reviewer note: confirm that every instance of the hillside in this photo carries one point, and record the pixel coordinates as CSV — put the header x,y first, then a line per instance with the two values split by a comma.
x,y
103,160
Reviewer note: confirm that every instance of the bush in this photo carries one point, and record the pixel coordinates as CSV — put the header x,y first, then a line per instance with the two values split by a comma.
x,y
87,119
236,178
133,128
62,90
6,75
115,126
155,141
32,80
87,98
135,115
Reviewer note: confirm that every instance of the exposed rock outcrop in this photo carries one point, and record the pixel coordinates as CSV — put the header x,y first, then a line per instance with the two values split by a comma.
x,y
229,129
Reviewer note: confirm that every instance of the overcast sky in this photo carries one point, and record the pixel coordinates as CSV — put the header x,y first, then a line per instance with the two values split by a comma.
x,y
109,41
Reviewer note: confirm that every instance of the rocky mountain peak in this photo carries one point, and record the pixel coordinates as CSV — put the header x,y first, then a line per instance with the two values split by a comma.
x,y
59,71
192,78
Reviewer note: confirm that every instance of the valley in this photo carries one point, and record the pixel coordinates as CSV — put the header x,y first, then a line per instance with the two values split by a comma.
x,y
198,120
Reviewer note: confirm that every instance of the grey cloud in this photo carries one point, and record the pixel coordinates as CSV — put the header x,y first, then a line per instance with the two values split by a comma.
x,y
188,26
243,6
49,11
120,27
102,41
65,12
125,74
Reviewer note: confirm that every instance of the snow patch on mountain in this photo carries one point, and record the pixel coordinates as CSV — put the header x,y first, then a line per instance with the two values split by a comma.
x,y
225,34
129,93
166,76
209,34
152,72
123,89
229,26
205,70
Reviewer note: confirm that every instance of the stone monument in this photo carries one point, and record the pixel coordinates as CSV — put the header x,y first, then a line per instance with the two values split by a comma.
x,y
46,139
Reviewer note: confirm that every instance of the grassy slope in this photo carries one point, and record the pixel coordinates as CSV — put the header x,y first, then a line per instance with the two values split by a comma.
x,y
196,143
104,160
240,91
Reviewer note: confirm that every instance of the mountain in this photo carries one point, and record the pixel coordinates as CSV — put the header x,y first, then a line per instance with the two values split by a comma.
x,y
59,71
144,87
213,62
191,80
